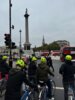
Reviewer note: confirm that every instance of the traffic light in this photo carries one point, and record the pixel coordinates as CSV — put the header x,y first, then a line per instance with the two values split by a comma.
x,y
13,45
7,39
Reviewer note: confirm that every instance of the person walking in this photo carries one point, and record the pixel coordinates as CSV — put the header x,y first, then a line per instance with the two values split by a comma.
x,y
49,62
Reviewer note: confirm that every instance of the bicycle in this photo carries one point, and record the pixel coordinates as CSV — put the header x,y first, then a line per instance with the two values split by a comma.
x,y
29,94
2,86
3,82
44,89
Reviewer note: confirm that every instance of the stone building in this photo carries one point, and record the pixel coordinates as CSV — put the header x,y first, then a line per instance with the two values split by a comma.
x,y
63,43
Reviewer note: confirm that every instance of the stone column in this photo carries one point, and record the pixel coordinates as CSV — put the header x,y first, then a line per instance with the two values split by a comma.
x,y
27,44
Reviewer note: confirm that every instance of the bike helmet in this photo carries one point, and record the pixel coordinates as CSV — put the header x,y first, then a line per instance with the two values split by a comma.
x,y
68,57
4,58
20,63
43,60
34,58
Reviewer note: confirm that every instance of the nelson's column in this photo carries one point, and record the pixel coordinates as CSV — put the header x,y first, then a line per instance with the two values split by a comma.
x,y
27,43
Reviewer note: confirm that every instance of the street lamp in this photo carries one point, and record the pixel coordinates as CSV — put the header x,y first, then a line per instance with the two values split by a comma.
x,y
20,43
10,58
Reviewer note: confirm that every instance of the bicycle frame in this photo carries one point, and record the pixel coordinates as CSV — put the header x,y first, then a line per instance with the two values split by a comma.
x,y
43,92
25,94
28,94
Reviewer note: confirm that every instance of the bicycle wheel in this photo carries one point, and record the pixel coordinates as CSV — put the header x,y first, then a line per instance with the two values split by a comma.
x,y
44,93
33,95
53,87
3,87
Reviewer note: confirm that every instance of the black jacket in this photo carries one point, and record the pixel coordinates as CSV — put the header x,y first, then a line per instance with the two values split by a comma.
x,y
32,68
67,70
14,83
4,68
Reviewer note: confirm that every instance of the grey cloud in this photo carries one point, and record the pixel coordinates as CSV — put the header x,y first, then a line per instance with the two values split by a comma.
x,y
53,18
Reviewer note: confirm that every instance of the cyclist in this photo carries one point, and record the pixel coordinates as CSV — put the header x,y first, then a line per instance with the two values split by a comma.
x,y
15,80
32,69
67,70
49,62
4,67
42,74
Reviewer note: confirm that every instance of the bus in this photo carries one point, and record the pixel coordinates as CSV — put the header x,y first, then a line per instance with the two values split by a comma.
x,y
67,51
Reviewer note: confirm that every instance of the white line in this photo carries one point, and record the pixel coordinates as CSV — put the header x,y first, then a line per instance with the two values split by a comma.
x,y
59,88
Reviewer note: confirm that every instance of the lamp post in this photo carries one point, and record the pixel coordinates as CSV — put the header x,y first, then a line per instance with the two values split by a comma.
x,y
20,43
10,58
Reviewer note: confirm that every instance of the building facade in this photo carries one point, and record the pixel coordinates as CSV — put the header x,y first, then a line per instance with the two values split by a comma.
x,y
62,43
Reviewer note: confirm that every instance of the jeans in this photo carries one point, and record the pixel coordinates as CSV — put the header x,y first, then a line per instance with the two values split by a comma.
x,y
66,85
49,88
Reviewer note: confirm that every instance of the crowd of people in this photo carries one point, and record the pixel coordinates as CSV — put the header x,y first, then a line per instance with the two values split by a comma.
x,y
36,72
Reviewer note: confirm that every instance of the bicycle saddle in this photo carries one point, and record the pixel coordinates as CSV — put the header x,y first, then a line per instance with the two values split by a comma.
x,y
42,83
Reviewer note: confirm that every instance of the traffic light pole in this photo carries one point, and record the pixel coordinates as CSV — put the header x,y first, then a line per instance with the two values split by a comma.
x,y
10,58
20,43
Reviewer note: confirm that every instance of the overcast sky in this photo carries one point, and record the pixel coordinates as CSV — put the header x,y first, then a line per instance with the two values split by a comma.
x,y
55,19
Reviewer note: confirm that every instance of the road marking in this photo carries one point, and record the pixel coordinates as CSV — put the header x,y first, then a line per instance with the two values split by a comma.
x,y
59,88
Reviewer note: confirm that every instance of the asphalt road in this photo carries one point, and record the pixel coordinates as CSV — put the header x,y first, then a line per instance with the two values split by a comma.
x,y
59,93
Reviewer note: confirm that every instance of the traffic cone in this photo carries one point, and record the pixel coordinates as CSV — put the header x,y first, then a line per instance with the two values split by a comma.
x,y
6,76
0,75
